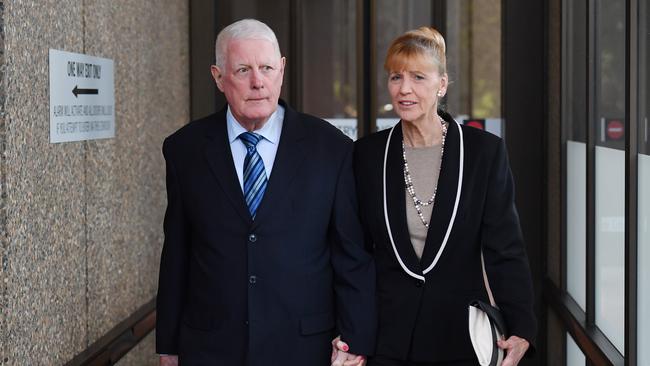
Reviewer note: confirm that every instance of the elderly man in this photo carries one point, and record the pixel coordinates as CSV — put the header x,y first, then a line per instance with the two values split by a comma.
x,y
263,261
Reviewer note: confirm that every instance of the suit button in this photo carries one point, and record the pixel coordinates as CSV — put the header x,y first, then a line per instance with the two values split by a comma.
x,y
252,280
252,238
419,283
246,323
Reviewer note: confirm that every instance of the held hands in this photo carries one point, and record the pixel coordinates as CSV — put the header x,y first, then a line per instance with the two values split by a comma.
x,y
515,348
168,360
341,356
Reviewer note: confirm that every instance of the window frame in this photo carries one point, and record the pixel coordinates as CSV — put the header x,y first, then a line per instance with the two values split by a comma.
x,y
580,324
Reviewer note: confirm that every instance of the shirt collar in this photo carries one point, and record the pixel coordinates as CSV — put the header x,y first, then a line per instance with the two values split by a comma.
x,y
270,131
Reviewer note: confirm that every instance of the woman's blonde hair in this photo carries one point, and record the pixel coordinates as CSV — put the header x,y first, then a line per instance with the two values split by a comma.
x,y
423,42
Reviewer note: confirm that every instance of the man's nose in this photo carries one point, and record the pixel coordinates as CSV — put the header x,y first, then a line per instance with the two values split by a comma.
x,y
256,79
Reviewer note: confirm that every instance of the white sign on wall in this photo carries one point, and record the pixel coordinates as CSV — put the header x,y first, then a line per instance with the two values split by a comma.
x,y
82,97
347,125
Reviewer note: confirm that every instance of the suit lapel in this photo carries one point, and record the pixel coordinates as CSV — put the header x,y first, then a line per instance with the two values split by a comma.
x,y
445,196
290,154
219,157
396,203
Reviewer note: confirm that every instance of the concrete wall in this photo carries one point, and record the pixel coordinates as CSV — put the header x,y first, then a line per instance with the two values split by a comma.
x,y
81,222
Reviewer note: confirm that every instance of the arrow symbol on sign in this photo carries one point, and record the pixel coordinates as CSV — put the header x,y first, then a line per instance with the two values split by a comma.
x,y
76,91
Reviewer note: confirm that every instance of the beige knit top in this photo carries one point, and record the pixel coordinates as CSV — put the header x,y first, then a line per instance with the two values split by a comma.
x,y
424,167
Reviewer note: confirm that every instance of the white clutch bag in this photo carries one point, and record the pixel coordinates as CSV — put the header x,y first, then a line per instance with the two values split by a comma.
x,y
486,327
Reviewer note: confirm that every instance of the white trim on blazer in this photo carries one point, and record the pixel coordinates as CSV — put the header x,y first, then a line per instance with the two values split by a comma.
x,y
451,220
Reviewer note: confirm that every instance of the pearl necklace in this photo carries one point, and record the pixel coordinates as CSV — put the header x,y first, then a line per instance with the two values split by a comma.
x,y
410,188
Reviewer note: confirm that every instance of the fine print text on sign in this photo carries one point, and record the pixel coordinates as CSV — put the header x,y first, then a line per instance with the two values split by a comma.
x,y
82,97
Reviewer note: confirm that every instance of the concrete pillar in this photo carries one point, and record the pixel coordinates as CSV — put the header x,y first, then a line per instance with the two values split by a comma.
x,y
81,222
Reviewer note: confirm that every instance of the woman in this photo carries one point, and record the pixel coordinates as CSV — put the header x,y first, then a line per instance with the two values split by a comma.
x,y
433,196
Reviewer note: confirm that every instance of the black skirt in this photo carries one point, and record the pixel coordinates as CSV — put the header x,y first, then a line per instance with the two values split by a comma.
x,y
385,361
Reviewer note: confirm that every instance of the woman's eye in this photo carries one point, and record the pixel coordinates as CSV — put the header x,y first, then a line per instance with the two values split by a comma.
x,y
395,77
419,77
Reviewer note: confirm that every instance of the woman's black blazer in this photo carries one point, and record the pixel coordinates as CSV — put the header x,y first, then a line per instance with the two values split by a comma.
x,y
423,308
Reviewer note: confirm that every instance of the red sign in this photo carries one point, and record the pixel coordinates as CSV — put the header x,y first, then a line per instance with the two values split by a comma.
x,y
476,123
615,129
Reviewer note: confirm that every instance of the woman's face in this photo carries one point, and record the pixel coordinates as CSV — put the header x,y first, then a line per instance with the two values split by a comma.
x,y
414,90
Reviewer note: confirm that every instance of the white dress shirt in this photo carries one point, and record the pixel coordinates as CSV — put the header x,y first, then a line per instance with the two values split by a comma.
x,y
267,147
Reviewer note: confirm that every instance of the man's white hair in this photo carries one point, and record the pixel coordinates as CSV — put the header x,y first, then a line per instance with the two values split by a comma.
x,y
242,29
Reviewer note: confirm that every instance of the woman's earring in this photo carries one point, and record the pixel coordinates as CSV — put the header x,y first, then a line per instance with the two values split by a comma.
x,y
440,93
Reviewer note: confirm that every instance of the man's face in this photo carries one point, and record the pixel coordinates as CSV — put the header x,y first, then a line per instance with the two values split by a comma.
x,y
251,79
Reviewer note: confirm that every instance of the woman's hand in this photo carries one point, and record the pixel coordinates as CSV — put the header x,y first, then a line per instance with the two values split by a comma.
x,y
167,360
515,348
341,357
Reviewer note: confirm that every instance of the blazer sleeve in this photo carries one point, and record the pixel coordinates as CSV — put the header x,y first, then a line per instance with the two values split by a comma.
x,y
506,262
173,264
360,175
354,270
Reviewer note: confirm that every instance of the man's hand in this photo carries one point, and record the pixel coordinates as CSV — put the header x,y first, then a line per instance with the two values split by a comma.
x,y
515,348
168,360
341,356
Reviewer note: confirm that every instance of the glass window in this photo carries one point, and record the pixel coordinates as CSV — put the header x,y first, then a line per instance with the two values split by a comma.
x,y
643,290
610,170
643,224
574,356
459,61
474,57
473,37
474,62
329,79
393,19
574,115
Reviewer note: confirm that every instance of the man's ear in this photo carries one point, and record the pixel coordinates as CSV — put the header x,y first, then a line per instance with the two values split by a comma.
x,y
217,75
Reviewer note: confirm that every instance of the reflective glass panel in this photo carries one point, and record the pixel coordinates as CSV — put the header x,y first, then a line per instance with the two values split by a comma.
x,y
574,116
643,224
392,19
609,126
329,79
574,356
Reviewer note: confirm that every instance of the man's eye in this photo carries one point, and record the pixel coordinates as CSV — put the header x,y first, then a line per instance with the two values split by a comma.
x,y
242,70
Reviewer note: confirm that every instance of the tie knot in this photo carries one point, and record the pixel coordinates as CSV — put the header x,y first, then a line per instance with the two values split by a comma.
x,y
250,139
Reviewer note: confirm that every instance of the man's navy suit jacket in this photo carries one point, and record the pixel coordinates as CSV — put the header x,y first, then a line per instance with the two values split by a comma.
x,y
269,291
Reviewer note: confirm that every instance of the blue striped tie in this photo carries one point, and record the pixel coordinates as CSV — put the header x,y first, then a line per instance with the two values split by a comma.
x,y
254,173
